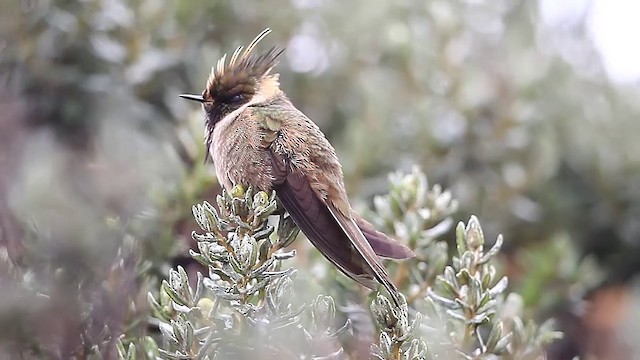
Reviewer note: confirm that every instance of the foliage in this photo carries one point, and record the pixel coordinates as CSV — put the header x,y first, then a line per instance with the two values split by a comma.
x,y
247,307
246,304
468,298
417,215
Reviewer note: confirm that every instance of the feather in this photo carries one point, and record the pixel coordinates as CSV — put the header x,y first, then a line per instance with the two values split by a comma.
x,y
383,245
335,235
244,71
234,57
363,248
255,42
318,224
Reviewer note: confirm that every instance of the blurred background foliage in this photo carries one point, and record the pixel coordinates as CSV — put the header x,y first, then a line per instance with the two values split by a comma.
x,y
100,161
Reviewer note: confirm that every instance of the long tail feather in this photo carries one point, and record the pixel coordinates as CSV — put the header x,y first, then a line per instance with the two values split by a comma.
x,y
362,246
383,245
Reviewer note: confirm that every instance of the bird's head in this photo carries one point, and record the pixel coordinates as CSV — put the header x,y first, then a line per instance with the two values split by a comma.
x,y
244,80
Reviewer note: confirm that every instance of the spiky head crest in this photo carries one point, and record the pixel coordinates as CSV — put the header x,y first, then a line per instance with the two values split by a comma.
x,y
239,79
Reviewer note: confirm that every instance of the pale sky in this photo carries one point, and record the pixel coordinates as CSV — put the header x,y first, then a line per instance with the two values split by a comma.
x,y
614,27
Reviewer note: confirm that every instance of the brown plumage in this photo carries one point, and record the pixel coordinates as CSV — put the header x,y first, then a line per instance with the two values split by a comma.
x,y
257,137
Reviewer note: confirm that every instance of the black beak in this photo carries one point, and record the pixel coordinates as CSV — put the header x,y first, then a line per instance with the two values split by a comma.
x,y
197,98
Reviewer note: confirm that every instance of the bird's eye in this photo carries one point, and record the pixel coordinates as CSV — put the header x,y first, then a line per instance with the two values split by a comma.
x,y
236,98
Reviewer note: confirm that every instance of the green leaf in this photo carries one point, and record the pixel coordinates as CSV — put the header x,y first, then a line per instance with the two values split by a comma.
x,y
175,297
461,244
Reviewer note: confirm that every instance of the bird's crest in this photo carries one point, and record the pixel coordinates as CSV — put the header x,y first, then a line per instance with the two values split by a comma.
x,y
243,72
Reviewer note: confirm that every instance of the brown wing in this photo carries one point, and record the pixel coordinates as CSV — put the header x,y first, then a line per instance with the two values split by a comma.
x,y
308,182
317,223
363,248
383,245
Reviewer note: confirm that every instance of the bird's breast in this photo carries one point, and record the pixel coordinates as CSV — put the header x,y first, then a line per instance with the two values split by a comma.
x,y
238,156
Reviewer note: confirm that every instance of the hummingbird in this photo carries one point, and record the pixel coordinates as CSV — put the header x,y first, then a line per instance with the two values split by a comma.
x,y
257,137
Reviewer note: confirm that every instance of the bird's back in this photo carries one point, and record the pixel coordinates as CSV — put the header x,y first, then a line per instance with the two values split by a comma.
x,y
308,152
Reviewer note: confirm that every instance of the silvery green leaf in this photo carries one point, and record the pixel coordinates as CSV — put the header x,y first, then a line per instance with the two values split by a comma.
x,y
439,256
376,352
173,355
210,284
263,233
417,350
488,276
237,208
474,236
189,336
443,199
221,201
184,279
382,207
342,330
253,253
172,293
408,332
178,332
199,258
262,268
456,315
149,347
131,352
517,331
264,249
439,229
153,303
464,276
466,260
450,276
446,286
282,273
495,249
287,230
204,348
200,219
499,287
448,303
202,240
501,345
235,264
166,330
494,335
181,308
122,353
489,304
456,263
258,286
323,311
265,211
461,244
260,199
198,292
385,342
284,255
474,295
384,312
463,304
281,294
480,318
208,208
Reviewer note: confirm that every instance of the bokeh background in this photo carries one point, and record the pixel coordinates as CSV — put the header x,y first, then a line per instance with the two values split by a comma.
x,y
527,111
